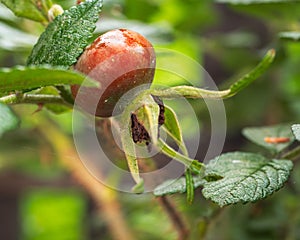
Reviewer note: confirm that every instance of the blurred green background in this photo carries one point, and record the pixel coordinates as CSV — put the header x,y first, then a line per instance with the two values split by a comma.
x,y
41,199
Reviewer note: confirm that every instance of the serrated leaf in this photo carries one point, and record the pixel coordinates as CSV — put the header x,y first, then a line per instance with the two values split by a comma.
x,y
66,37
8,120
294,36
176,186
259,135
296,131
247,177
172,127
24,78
34,10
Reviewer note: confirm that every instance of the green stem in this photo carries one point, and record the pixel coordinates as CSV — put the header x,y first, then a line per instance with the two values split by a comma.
x,y
189,92
189,185
293,154
193,92
32,99
188,162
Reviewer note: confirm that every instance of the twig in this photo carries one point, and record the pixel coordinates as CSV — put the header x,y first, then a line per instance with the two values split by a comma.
x,y
175,217
293,154
18,98
104,197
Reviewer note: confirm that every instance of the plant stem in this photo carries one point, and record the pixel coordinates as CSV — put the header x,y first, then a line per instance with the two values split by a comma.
x,y
18,98
293,154
175,217
105,198
189,92
188,162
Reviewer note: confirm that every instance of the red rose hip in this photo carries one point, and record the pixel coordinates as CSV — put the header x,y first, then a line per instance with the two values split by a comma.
x,y
119,60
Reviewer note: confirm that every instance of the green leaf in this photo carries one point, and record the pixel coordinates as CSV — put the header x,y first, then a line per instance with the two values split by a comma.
x,y
147,115
66,37
172,128
194,92
34,10
259,135
253,75
8,120
247,177
296,131
130,153
139,187
176,186
24,78
294,36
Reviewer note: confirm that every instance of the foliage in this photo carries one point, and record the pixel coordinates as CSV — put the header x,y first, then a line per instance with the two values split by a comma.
x,y
258,135
228,178
29,9
26,78
66,37
247,177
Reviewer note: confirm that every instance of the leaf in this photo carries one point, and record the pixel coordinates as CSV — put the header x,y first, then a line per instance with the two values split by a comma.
x,y
247,177
8,120
258,136
147,115
194,92
247,2
294,36
254,74
176,186
130,153
296,131
66,37
34,10
24,78
172,127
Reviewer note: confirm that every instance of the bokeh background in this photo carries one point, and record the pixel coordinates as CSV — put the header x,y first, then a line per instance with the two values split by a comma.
x,y
42,192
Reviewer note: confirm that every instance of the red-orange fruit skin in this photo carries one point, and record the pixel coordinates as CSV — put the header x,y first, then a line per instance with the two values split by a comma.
x,y
119,60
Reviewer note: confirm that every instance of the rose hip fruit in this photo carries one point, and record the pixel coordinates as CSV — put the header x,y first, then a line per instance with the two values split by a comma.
x,y
119,60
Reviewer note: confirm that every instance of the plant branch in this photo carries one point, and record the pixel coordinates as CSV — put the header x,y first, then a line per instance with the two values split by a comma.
x,y
19,98
175,217
194,165
293,154
105,198
189,92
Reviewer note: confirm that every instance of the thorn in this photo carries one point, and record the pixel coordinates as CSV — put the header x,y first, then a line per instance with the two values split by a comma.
x,y
40,107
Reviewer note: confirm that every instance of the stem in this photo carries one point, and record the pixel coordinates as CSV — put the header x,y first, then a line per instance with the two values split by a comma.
x,y
18,98
188,162
105,198
189,92
293,154
175,217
